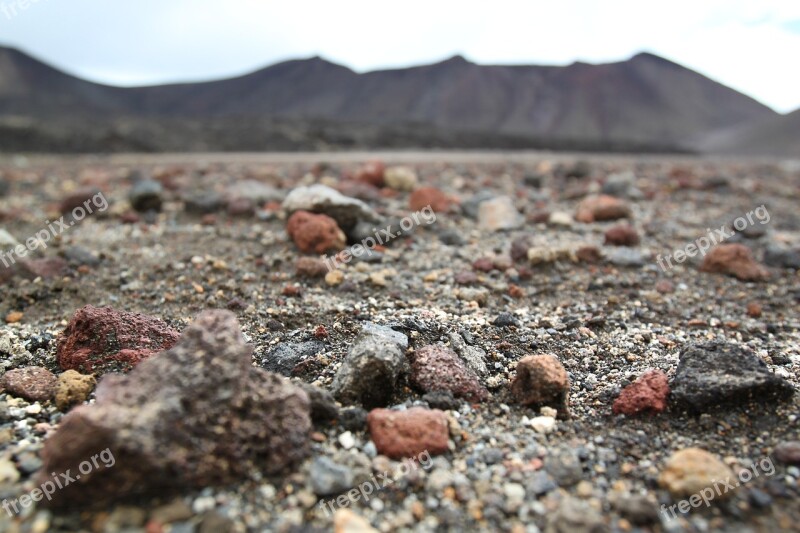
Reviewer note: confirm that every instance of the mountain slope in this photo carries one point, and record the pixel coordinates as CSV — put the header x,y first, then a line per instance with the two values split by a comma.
x,y
772,136
645,100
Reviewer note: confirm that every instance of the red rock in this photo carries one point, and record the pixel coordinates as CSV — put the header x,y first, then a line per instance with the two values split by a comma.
x,y
588,254
372,173
734,260
541,380
292,290
241,207
33,383
429,196
622,235
402,434
130,217
45,268
315,233
310,267
101,339
484,264
665,286
754,310
78,199
788,452
648,393
465,277
438,368
601,208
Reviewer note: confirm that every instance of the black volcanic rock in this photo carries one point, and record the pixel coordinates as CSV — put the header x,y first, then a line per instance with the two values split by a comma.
x,y
717,374
196,415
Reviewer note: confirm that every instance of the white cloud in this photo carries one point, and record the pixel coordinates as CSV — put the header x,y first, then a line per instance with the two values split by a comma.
x,y
745,44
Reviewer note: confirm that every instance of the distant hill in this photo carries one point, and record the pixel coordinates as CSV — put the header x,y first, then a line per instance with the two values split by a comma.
x,y
644,102
773,136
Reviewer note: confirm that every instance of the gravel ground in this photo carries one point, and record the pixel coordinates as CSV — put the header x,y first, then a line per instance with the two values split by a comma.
x,y
607,321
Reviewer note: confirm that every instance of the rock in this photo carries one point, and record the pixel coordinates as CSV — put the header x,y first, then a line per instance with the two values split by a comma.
x,y
80,198
754,309
45,268
323,406
197,415
9,474
370,372
346,521
560,218
472,355
601,208
346,211
734,260
648,393
438,201
98,340
285,356
782,257
543,424
716,374
78,256
401,178
499,214
33,383
7,241
788,452
619,184
441,399
328,477
665,286
73,388
565,467
353,418
436,367
505,320
202,202
520,247
5,186
575,516
637,508
689,471
622,235
579,170
471,206
315,233
310,267
255,191
407,434
146,195
541,380
451,237
626,257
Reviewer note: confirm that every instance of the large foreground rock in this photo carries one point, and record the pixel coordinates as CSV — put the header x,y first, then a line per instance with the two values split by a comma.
x,y
101,339
346,211
194,416
717,373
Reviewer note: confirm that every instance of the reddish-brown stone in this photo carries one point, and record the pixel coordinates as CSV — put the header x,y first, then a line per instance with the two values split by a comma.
x,y
45,268
601,208
541,380
438,368
78,199
622,235
754,310
372,173
429,196
315,233
310,267
734,260
648,393
484,264
401,434
33,383
665,286
588,254
101,339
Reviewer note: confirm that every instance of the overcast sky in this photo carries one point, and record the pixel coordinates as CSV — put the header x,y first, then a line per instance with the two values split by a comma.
x,y
752,46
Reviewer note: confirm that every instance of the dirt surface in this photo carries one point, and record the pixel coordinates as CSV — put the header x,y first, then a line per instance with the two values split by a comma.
x,y
452,281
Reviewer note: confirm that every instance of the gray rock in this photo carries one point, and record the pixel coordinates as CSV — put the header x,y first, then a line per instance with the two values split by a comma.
x,y
782,257
285,356
619,184
323,406
575,516
451,237
322,199
470,206
5,186
472,355
328,477
370,372
202,202
78,256
499,214
565,467
625,257
541,483
146,195
253,190
717,373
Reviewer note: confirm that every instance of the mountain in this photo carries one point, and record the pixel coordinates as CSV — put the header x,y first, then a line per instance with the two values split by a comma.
x,y
773,136
644,101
